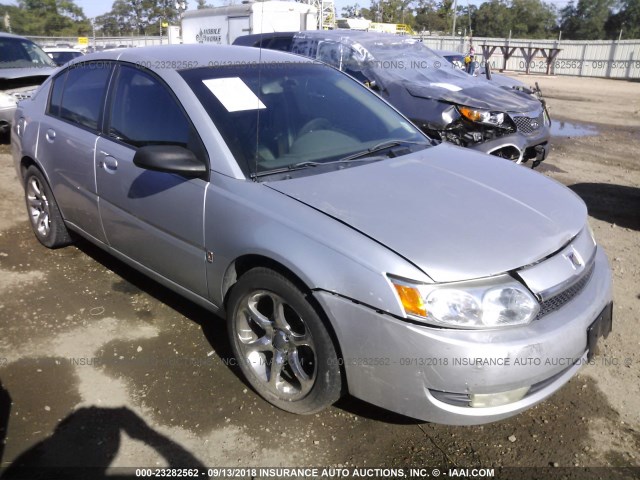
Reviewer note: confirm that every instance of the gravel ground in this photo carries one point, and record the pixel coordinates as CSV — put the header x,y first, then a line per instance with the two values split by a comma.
x,y
106,368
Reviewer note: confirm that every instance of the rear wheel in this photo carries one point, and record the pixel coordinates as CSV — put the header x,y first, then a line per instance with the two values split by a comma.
x,y
44,214
281,343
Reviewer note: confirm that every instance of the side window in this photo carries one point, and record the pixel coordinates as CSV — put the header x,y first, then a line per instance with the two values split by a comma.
x,y
144,112
281,43
83,88
336,54
55,100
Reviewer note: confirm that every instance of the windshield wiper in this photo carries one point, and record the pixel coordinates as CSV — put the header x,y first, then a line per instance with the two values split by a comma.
x,y
378,147
356,156
288,168
302,165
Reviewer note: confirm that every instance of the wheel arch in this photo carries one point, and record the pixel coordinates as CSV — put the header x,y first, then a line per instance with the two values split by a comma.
x,y
245,263
25,163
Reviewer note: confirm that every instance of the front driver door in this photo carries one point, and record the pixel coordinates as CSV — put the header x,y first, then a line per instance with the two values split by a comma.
x,y
154,218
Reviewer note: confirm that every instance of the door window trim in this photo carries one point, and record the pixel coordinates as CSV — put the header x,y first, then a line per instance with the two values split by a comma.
x,y
108,108
101,116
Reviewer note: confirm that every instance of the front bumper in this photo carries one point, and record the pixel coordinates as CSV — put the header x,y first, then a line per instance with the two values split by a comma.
x,y
402,366
533,146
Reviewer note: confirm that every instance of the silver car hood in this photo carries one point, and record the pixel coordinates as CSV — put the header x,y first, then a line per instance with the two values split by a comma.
x,y
24,72
454,213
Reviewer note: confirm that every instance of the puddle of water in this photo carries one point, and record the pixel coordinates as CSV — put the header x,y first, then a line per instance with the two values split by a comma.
x,y
570,129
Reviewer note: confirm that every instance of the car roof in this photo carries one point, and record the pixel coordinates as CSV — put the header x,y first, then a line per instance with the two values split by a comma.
x,y
193,56
344,36
250,40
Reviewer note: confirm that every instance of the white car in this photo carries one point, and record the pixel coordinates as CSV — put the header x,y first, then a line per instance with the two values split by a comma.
x,y
62,55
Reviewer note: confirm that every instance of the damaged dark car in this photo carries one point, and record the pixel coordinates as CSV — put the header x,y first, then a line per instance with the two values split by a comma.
x,y
23,68
443,101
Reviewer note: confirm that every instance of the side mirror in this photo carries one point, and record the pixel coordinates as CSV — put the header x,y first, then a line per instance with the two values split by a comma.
x,y
169,159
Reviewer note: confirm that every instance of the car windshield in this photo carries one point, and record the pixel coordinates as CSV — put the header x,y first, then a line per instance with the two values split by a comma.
x,y
22,53
281,116
414,62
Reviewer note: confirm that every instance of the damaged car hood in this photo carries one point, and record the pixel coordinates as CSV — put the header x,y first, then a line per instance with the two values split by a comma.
x,y
454,213
392,59
485,96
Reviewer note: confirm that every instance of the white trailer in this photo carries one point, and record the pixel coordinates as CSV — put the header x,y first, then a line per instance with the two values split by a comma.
x,y
222,25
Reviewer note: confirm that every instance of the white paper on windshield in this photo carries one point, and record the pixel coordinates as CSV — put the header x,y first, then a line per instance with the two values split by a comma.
x,y
234,94
448,86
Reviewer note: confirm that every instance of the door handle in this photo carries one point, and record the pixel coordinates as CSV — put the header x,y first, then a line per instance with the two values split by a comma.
x,y
50,135
109,164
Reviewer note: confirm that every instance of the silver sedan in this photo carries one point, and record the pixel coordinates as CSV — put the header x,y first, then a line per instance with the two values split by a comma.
x,y
347,252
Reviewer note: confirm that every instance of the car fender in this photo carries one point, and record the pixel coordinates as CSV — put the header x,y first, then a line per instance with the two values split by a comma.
x,y
322,252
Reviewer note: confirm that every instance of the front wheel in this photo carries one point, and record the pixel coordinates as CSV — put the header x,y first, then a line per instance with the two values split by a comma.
x,y
281,343
44,214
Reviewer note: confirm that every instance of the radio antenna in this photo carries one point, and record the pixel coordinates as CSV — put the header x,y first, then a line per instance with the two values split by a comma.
x,y
255,155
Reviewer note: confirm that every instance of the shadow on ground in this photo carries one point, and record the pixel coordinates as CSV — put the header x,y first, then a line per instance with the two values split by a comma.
x,y
611,203
85,443
215,332
5,409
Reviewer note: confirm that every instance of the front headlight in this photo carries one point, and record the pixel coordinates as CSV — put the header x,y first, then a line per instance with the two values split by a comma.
x,y
482,116
489,303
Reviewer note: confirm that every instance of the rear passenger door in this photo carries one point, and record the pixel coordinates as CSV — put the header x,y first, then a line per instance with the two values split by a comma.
x,y
151,217
67,139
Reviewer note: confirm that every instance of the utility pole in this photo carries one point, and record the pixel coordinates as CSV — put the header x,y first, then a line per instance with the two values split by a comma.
x,y
7,22
455,8
93,32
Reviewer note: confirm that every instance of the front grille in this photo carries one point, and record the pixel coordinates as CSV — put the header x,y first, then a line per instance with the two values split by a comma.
x,y
557,301
529,125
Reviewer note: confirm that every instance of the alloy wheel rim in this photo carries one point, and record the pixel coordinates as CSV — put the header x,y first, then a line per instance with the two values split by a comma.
x,y
276,345
38,206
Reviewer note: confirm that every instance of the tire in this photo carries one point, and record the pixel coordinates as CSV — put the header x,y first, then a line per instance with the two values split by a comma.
x,y
281,343
44,214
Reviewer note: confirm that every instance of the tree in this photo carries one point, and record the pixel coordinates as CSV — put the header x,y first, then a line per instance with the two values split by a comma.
x,y
47,17
203,4
432,16
137,16
625,20
392,11
586,20
118,21
351,11
532,19
493,19
466,15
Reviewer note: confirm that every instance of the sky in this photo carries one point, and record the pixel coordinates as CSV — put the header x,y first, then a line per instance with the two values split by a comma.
x,y
93,8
